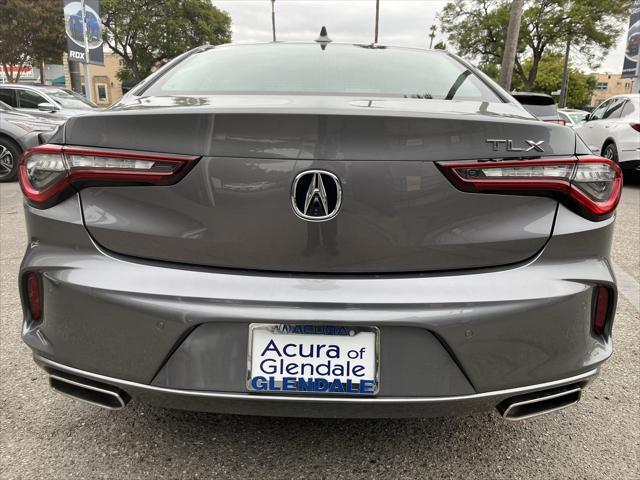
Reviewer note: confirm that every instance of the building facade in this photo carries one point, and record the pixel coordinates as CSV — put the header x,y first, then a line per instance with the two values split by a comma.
x,y
107,87
608,85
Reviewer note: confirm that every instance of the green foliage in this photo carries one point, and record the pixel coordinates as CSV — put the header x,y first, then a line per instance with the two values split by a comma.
x,y
440,46
30,31
549,79
477,28
490,69
148,33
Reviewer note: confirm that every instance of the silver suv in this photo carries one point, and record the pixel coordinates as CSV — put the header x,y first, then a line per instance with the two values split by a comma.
x,y
45,101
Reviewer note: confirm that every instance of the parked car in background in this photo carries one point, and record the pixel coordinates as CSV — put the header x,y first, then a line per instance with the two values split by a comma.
x,y
319,230
540,105
572,117
18,132
51,102
613,131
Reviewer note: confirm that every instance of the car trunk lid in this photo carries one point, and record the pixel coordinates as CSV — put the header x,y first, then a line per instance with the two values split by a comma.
x,y
398,212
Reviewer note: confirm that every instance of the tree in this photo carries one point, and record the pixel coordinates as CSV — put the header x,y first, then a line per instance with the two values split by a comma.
x,y
549,79
477,28
148,33
30,31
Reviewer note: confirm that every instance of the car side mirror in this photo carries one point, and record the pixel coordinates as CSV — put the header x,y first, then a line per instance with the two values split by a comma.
x,y
47,107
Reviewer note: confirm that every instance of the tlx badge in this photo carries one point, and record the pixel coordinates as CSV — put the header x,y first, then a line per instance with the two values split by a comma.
x,y
496,142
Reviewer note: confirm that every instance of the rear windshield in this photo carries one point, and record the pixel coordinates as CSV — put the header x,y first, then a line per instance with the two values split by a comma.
x,y
542,110
576,117
307,69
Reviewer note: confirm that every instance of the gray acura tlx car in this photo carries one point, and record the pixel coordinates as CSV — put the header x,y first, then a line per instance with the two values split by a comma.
x,y
314,229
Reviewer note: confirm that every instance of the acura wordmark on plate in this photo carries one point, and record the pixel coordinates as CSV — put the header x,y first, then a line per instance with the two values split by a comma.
x,y
313,359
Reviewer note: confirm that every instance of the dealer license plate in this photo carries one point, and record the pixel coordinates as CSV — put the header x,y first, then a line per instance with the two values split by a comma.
x,y
313,359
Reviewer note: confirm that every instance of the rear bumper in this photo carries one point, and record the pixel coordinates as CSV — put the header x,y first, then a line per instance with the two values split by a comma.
x,y
324,407
177,335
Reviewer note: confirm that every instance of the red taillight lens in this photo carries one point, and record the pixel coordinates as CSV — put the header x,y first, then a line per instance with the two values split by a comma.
x,y
590,185
34,295
48,173
559,121
601,310
635,126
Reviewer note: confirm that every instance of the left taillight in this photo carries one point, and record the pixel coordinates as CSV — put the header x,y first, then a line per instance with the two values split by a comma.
x,y
589,185
50,173
34,295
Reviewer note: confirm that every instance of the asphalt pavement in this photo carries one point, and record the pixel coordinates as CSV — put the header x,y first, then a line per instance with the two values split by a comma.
x,y
45,435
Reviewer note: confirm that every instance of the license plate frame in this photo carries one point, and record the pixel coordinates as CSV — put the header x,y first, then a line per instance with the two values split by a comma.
x,y
325,332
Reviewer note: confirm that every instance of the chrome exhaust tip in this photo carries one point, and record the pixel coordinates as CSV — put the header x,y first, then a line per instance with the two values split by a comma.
x,y
539,403
89,391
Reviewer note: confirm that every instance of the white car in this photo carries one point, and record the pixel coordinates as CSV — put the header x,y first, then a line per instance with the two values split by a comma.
x,y
613,131
572,117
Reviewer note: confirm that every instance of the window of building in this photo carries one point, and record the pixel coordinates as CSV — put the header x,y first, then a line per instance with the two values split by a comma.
x,y
602,85
627,85
102,93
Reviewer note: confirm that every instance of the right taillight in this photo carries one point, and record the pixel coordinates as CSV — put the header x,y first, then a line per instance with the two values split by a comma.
x,y
589,185
635,126
49,173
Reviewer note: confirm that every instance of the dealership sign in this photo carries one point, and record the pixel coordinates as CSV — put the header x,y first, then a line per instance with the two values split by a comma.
x,y
26,72
633,42
75,32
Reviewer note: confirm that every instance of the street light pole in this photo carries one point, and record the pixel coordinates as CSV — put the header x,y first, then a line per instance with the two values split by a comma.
x,y
511,44
375,38
273,18
564,89
636,80
87,78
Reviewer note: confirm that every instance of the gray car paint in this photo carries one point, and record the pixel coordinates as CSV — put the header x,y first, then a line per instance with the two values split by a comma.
x,y
143,322
395,217
24,139
505,327
233,210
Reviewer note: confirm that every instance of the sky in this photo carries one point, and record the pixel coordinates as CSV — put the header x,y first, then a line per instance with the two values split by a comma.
x,y
402,23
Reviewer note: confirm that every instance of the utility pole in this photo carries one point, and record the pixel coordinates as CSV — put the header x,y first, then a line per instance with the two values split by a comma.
x,y
432,35
511,44
87,78
564,89
636,80
375,38
273,18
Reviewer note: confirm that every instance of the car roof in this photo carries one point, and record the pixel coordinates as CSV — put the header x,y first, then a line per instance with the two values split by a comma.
x,y
623,95
329,44
27,85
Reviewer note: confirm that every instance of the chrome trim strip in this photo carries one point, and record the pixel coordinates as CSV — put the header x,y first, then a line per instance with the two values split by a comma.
x,y
87,387
357,400
505,414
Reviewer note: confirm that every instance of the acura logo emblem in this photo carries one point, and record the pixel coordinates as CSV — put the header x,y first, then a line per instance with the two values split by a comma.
x,y
316,195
